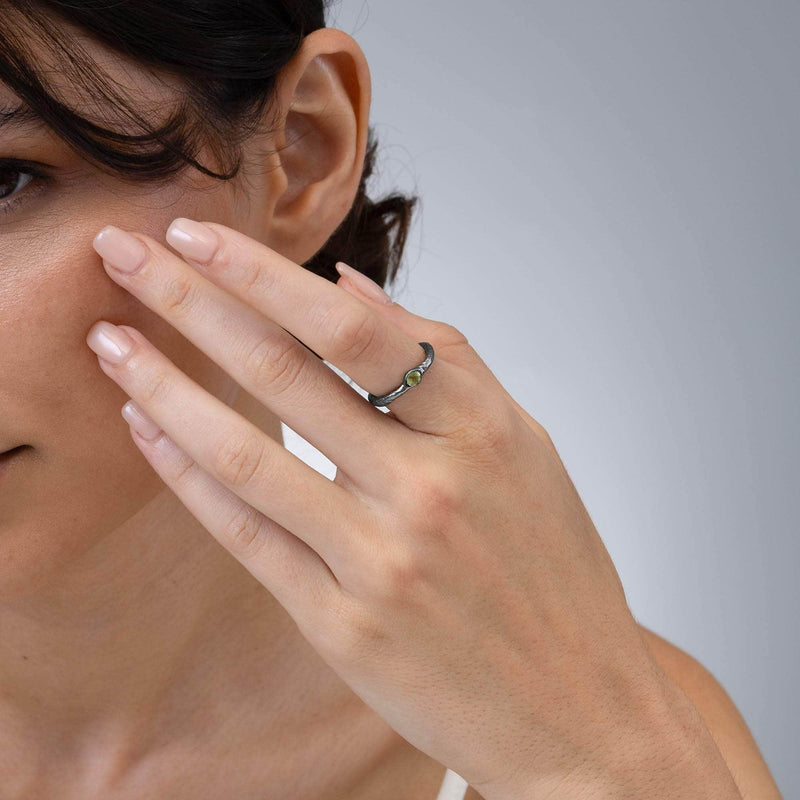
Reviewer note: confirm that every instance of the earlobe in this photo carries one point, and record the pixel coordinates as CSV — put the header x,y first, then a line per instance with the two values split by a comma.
x,y
322,142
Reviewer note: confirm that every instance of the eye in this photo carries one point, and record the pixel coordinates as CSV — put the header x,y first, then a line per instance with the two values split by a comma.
x,y
15,176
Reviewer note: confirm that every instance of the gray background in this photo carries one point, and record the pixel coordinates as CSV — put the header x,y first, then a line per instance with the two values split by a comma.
x,y
610,214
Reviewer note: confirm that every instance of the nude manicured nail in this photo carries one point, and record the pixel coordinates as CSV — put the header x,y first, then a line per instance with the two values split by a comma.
x,y
119,249
109,342
364,284
193,239
135,416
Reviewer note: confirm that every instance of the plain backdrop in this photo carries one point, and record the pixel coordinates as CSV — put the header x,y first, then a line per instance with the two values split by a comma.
x,y
610,214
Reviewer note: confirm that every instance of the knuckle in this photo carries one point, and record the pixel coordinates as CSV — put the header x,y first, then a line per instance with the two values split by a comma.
x,y
179,295
238,460
403,576
497,431
449,341
438,503
357,335
253,271
273,363
244,532
156,390
547,439
253,275
448,335
443,497
225,256
433,499
430,481
358,636
183,471
487,423
235,258
400,576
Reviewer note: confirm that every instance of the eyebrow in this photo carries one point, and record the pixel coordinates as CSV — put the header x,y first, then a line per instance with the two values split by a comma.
x,y
21,116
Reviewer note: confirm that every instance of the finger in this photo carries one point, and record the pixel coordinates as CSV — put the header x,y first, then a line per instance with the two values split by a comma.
x,y
459,352
285,565
232,450
451,340
262,357
343,330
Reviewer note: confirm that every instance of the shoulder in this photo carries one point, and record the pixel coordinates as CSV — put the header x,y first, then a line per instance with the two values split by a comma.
x,y
723,719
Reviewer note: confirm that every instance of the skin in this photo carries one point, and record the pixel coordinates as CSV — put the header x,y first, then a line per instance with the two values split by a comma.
x,y
121,679
137,654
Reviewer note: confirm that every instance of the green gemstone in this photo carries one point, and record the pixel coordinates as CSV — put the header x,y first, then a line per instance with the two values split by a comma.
x,y
413,377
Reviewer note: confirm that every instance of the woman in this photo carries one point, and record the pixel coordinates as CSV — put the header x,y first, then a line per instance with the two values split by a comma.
x,y
188,610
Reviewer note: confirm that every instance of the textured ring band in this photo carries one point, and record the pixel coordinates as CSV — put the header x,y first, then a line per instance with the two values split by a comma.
x,y
410,379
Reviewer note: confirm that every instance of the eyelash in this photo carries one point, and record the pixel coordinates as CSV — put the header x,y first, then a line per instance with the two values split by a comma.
x,y
18,167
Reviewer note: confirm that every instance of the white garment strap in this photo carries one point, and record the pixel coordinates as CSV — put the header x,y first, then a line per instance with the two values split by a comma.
x,y
454,787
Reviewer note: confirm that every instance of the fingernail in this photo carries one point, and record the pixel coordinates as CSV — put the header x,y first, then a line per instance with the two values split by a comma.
x,y
119,249
109,342
136,417
193,239
363,283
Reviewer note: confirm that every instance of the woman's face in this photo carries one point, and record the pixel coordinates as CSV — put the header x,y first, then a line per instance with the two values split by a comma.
x,y
80,476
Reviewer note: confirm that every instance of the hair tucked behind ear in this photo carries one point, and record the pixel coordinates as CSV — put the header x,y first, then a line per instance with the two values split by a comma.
x,y
227,56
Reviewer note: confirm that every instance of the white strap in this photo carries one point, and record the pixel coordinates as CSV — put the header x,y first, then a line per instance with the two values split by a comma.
x,y
454,787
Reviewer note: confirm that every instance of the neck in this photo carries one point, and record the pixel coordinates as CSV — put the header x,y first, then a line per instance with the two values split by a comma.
x,y
111,630
155,636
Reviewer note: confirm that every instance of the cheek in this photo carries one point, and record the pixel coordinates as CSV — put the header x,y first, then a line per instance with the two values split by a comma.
x,y
85,476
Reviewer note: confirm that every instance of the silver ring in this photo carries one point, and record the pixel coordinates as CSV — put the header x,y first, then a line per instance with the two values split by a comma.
x,y
410,379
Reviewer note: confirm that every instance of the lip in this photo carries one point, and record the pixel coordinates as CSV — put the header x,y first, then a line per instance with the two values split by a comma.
x,y
10,455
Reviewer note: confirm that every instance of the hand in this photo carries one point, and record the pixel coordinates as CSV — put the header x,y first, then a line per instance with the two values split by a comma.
x,y
450,574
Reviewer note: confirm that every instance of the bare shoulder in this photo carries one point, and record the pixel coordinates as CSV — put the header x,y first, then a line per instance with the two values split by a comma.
x,y
723,719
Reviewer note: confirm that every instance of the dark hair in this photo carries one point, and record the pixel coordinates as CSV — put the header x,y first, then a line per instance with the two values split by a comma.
x,y
226,56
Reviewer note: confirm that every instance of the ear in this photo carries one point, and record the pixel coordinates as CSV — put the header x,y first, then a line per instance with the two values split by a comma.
x,y
321,142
